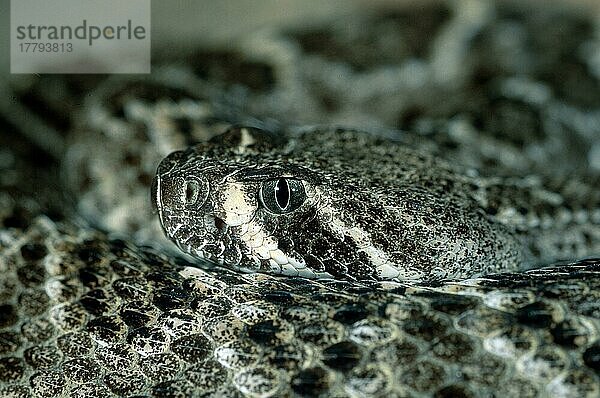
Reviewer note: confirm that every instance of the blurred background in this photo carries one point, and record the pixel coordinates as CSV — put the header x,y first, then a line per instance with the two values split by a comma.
x,y
180,22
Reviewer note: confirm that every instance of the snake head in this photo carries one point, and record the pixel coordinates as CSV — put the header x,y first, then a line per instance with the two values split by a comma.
x,y
224,202
328,203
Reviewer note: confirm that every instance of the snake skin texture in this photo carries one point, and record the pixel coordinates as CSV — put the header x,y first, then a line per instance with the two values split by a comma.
x,y
502,99
357,207
87,315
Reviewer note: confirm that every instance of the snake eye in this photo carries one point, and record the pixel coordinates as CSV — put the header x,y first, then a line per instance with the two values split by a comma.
x,y
283,195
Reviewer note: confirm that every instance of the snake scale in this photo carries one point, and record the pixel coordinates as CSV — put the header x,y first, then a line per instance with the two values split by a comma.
x,y
443,246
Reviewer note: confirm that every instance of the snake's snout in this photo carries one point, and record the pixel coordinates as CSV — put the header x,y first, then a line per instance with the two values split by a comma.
x,y
179,192
176,189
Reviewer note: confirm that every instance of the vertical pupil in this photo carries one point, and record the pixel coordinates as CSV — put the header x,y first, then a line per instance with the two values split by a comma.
x,y
282,193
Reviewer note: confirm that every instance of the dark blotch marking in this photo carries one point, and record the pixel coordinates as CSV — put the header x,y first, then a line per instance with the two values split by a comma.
x,y
19,219
591,357
264,332
278,297
342,356
89,255
426,327
537,315
310,382
106,328
171,298
33,251
453,391
453,304
94,302
136,314
566,334
8,315
348,314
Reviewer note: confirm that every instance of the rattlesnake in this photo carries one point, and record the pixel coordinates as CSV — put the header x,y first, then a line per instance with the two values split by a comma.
x,y
345,204
95,301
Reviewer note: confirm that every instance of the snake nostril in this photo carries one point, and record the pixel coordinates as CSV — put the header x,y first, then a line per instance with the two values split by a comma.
x,y
220,224
191,192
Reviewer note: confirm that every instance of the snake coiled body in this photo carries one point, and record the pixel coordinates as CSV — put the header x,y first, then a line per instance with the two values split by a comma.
x,y
494,110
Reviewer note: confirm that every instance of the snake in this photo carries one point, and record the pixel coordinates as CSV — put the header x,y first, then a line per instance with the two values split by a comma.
x,y
317,207
311,213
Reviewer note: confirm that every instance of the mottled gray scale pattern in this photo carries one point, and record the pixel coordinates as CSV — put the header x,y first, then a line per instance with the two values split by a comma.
x,y
373,209
485,111
476,337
